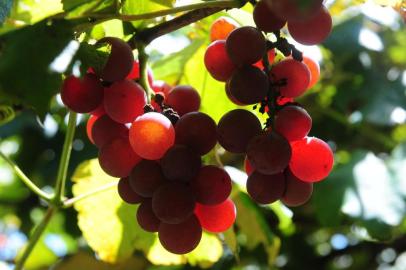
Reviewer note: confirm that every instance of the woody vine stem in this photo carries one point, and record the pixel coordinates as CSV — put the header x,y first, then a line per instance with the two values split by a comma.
x,y
57,201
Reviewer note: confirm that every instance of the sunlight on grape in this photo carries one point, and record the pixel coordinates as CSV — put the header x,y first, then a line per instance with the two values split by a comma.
x,y
370,40
62,61
398,115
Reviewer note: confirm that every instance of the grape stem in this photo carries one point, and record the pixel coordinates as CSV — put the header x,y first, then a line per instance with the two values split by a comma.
x,y
27,181
143,62
70,202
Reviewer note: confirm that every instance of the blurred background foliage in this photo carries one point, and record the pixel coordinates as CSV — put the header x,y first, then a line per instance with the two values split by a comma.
x,y
355,219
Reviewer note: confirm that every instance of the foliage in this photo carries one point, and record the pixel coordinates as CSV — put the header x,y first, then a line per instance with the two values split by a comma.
x,y
359,106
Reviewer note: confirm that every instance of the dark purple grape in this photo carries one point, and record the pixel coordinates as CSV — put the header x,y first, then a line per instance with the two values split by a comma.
x,y
173,203
236,128
146,177
265,18
297,192
126,193
181,238
146,217
180,163
265,189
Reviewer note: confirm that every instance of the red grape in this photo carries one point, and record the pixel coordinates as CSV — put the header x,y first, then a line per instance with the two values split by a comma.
x,y
99,111
89,127
124,101
293,123
269,153
249,84
212,185
236,128
146,217
135,73
312,31
197,130
314,69
283,100
82,95
180,163
120,61
265,189
216,218
265,18
151,135
297,192
296,74
181,238
146,177
217,61
183,99
296,10
161,87
173,203
247,166
221,28
104,130
271,59
312,159
126,193
245,45
117,158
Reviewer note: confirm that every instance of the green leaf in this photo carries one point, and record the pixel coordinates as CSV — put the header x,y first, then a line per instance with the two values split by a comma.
x,y
28,53
76,8
109,226
252,224
134,7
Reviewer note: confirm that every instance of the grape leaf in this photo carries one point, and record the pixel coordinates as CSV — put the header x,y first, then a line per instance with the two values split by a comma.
x,y
28,53
109,226
134,7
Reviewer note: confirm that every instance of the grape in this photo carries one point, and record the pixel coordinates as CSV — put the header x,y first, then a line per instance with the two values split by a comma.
x,y
249,85
117,158
161,87
99,111
221,28
245,45
216,218
104,130
265,18
265,189
82,95
297,192
120,61
312,31
212,185
135,73
271,59
269,153
151,135
146,217
183,99
180,163
197,130
312,159
296,10
296,74
217,61
247,166
89,127
124,101
236,128
180,238
293,123
173,203
230,97
126,193
314,69
283,100
146,177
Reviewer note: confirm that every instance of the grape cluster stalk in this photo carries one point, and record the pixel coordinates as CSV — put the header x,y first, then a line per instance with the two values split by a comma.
x,y
155,148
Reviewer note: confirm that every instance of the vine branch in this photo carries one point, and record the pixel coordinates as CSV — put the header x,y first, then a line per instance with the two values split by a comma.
x,y
143,62
27,181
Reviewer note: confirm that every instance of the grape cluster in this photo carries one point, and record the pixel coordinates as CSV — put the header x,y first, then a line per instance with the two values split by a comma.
x,y
282,162
155,149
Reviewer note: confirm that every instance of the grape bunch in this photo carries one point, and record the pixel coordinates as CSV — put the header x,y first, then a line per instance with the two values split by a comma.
x,y
282,162
155,149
